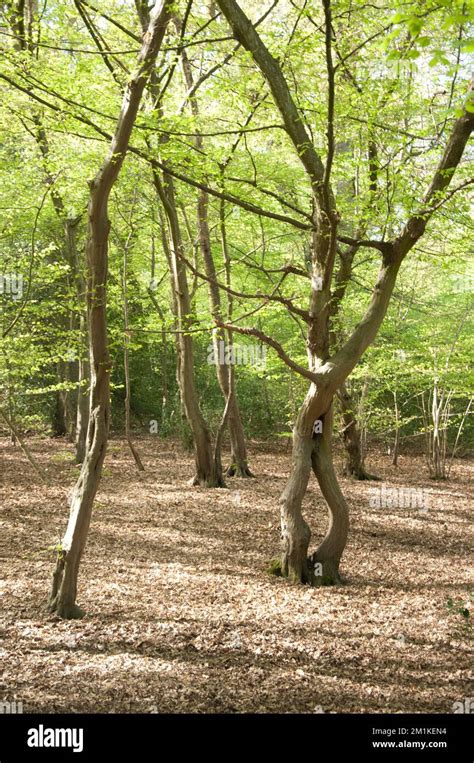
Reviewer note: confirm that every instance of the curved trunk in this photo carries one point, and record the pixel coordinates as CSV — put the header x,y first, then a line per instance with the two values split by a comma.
x,y
83,370
295,533
327,556
312,451
62,600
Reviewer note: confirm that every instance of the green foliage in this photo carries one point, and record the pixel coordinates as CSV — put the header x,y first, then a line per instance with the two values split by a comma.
x,y
401,78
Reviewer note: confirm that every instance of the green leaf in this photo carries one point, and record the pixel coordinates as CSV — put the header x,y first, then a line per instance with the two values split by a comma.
x,y
467,46
423,41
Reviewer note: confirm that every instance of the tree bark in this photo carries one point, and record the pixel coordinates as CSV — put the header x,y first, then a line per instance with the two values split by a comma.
x,y
206,474
396,442
83,391
238,447
329,552
328,372
354,466
126,364
59,424
295,532
62,600
238,466
79,325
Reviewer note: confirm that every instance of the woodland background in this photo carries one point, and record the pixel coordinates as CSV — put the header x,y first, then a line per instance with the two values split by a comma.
x,y
212,240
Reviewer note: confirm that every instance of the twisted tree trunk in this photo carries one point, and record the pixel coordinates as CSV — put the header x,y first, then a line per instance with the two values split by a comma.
x,y
328,371
327,556
295,532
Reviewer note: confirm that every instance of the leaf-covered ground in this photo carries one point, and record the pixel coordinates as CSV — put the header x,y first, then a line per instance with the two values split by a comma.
x,y
182,615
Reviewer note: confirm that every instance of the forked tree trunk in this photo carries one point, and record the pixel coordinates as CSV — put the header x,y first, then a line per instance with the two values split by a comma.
x,y
312,452
62,600
328,371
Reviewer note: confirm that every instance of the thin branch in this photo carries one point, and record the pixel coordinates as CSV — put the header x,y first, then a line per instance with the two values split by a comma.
x,y
313,377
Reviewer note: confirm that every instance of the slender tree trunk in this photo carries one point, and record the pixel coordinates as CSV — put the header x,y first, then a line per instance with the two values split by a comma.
x,y
238,465
126,364
222,348
174,305
396,443
59,420
62,600
79,327
238,447
352,438
11,411
83,391
164,338
204,457
63,594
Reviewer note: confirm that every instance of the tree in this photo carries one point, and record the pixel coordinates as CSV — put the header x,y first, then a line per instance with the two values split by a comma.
x,y
327,372
62,600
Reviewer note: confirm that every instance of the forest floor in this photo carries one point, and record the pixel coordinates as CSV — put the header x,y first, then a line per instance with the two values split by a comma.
x,y
183,616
